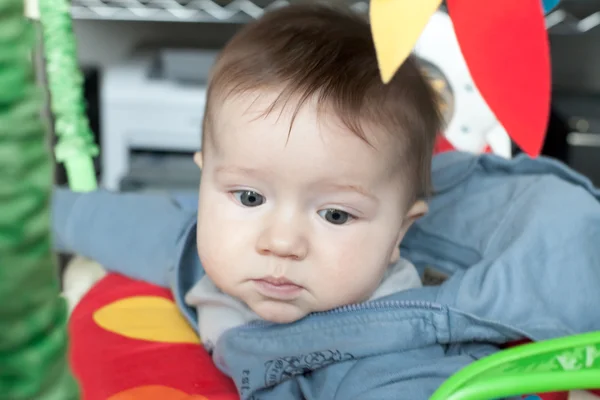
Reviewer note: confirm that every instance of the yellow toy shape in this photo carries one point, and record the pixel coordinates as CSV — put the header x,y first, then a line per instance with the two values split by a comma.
x,y
396,25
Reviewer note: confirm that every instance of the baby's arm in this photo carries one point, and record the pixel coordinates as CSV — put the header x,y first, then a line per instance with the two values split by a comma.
x,y
137,235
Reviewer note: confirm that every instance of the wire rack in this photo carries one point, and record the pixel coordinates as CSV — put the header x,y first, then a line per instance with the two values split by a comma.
x,y
562,22
236,11
568,19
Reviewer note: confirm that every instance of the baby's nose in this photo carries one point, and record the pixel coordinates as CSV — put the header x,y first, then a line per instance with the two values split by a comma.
x,y
283,240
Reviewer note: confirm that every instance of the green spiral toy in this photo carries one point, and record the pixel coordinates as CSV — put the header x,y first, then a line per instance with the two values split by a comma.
x,y
75,147
33,316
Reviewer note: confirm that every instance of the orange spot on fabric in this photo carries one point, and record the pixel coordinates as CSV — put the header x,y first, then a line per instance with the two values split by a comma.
x,y
155,392
149,318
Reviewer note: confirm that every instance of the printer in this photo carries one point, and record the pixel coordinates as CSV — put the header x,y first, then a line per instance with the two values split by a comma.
x,y
152,103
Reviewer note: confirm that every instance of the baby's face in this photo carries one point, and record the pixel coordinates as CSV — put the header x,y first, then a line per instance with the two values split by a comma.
x,y
292,224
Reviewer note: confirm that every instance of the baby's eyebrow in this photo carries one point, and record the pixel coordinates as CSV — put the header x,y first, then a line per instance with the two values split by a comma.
x,y
352,188
231,169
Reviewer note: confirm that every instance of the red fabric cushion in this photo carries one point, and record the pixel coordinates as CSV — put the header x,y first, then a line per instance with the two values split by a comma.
x,y
111,366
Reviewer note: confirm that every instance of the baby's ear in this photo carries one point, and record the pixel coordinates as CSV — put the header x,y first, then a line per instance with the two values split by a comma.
x,y
198,159
417,210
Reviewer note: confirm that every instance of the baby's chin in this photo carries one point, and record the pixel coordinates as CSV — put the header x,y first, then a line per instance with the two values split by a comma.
x,y
279,312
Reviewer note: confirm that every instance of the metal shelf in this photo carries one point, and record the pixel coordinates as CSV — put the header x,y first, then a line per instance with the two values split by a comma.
x,y
574,17
236,11
561,22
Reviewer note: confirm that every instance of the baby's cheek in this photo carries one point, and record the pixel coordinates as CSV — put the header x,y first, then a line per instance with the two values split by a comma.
x,y
215,263
220,250
207,255
340,283
210,245
358,270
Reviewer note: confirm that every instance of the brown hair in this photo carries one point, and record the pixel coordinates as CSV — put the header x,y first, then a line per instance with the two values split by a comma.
x,y
308,50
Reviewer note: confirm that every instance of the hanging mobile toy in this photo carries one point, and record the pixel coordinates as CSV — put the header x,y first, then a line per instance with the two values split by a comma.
x,y
505,46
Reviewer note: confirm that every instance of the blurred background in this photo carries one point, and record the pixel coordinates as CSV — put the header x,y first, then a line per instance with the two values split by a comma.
x,y
146,62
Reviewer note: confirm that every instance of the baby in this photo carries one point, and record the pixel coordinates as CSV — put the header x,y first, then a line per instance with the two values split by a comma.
x,y
314,175
312,171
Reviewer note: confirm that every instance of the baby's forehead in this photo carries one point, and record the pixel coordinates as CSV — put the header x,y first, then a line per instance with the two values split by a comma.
x,y
249,105
308,142
273,109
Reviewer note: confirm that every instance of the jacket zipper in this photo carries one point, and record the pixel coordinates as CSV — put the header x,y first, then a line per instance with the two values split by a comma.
x,y
376,305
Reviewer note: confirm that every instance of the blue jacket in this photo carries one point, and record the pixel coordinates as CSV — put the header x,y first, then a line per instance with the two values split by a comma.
x,y
519,239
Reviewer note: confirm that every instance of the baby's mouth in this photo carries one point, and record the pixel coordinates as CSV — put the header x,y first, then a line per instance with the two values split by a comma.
x,y
278,288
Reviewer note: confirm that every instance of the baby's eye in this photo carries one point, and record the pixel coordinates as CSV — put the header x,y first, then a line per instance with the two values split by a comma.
x,y
248,198
336,217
